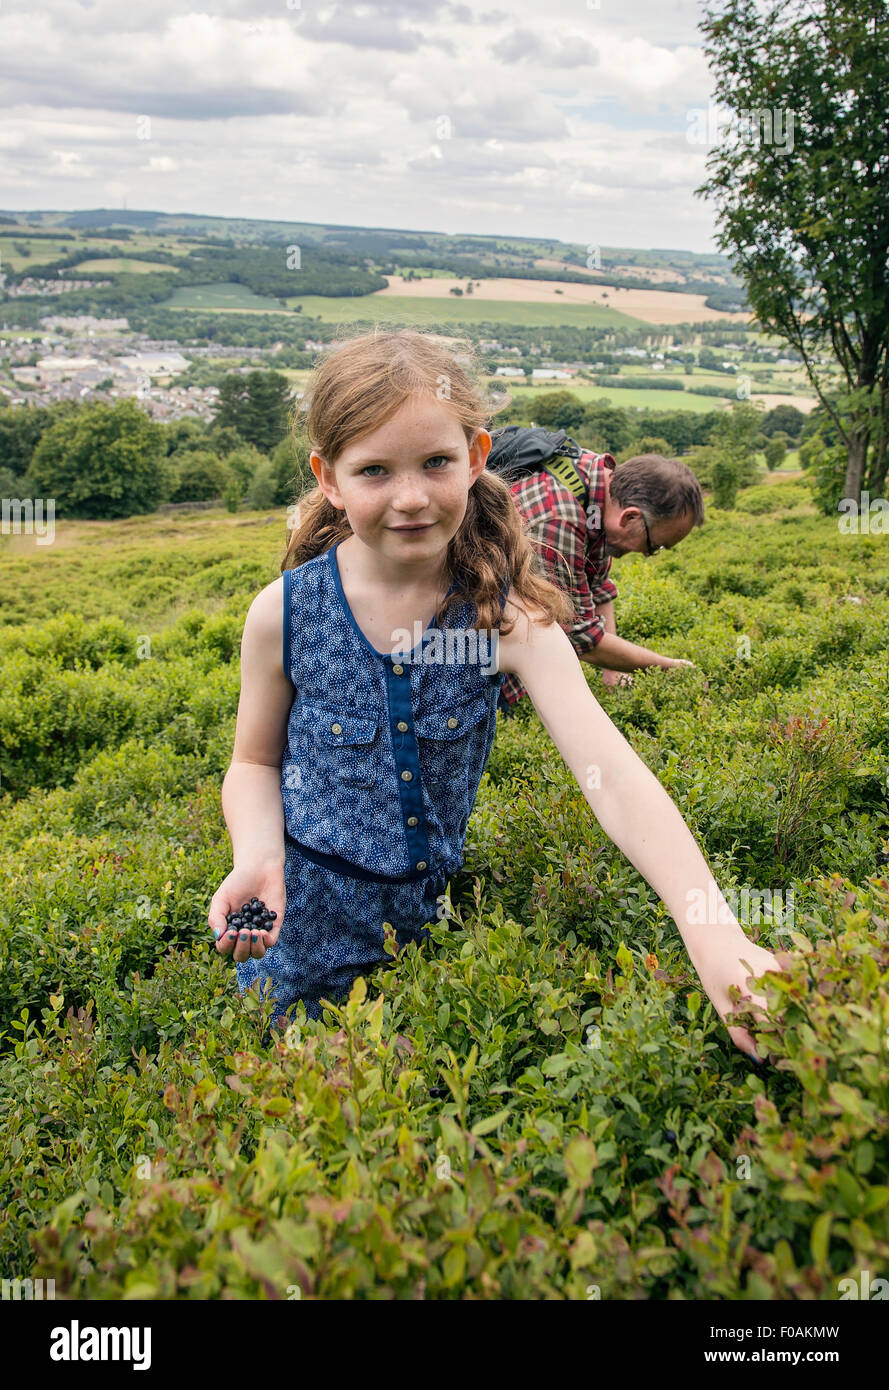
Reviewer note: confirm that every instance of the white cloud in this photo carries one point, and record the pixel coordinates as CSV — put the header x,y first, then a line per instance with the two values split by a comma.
x,y
553,116
160,164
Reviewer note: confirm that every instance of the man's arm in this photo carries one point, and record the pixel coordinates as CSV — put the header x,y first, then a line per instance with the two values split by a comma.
x,y
560,541
605,611
616,654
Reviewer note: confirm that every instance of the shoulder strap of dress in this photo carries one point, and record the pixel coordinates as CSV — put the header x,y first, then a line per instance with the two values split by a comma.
x,y
286,647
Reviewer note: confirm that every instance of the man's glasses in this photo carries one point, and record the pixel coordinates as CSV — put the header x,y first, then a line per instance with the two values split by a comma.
x,y
652,549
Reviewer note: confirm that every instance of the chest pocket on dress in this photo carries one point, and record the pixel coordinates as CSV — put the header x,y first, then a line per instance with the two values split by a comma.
x,y
341,745
447,738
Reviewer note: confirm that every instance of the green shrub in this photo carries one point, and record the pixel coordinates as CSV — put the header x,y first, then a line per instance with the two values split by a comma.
x,y
539,1102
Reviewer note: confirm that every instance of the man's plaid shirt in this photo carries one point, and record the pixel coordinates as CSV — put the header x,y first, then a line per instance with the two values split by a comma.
x,y
571,546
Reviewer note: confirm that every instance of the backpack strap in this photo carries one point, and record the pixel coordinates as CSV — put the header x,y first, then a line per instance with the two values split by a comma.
x,y
563,468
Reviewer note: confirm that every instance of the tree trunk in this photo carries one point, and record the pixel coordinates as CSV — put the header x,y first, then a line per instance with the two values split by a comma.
x,y
855,466
876,481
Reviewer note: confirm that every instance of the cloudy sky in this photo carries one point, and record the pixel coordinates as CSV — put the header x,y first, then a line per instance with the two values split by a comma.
x,y
560,118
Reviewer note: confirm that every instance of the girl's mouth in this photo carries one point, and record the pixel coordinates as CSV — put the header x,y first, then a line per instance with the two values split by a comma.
x,y
413,530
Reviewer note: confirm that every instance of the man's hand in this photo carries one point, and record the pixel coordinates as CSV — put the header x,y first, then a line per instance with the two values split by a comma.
x,y
616,678
671,661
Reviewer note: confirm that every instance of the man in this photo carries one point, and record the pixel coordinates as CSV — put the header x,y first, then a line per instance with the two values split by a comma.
x,y
649,503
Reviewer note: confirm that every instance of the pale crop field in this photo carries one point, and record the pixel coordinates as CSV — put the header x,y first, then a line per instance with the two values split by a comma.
x,y
119,265
399,309
652,306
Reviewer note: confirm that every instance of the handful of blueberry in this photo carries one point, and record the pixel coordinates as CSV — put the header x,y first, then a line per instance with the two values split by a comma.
x,y
253,916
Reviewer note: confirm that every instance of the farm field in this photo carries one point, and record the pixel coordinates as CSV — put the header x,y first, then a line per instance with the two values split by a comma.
x,y
44,249
642,398
228,297
649,305
540,1100
408,309
120,265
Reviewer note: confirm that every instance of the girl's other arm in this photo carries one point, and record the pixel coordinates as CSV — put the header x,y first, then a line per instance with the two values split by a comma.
x,y
251,788
634,811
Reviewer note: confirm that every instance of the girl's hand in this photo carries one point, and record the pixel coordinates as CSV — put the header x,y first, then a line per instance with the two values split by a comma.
x,y
263,881
721,967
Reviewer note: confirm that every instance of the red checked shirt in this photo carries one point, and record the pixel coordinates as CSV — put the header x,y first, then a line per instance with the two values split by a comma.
x,y
571,546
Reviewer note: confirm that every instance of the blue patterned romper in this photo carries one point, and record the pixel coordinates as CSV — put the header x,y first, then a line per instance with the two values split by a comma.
x,y
383,761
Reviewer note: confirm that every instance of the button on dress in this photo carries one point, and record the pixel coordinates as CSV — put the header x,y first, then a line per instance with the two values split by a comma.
x,y
382,765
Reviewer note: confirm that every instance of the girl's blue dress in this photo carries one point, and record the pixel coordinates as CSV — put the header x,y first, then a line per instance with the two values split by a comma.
x,y
383,761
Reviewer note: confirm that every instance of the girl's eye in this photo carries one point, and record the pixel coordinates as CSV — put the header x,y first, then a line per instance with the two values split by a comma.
x,y
439,459
371,470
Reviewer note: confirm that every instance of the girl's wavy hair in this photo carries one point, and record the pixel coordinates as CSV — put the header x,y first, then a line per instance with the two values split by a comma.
x,y
356,388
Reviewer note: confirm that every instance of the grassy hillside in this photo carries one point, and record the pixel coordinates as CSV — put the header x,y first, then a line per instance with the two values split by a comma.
x,y
541,1102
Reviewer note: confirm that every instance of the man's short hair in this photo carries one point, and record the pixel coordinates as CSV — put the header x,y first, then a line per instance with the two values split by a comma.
x,y
662,488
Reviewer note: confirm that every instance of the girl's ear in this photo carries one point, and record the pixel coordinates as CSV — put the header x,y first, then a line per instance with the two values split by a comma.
x,y
478,454
326,480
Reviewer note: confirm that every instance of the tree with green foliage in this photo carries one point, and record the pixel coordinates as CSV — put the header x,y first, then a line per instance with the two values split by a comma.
x,y
558,410
607,428
775,453
727,461
21,430
784,419
183,434
257,405
799,183
646,444
101,461
243,463
200,476
223,440
263,485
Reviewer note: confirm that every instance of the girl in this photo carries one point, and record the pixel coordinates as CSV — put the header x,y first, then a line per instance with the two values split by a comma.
x,y
408,591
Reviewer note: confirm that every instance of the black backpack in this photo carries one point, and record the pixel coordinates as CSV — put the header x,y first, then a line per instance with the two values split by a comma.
x,y
517,450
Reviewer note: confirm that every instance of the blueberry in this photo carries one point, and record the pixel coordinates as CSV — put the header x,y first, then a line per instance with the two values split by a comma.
x,y
273,916
670,1134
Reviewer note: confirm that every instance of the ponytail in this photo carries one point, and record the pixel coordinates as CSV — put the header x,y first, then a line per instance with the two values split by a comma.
x,y
319,526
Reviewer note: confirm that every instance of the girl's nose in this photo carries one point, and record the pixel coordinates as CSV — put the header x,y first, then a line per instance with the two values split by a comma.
x,y
411,496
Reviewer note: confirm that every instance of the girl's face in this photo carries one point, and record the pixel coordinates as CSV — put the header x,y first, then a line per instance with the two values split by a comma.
x,y
404,488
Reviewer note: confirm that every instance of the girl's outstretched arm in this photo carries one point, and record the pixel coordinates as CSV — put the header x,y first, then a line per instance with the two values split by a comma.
x,y
635,812
251,788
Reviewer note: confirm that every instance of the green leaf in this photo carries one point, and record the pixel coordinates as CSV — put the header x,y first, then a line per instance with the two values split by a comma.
x,y
624,960
277,1105
454,1265
848,1099
556,1064
489,1123
820,1237
580,1161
